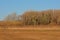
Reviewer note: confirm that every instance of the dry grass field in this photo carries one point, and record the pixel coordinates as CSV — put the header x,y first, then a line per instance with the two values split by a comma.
x,y
30,33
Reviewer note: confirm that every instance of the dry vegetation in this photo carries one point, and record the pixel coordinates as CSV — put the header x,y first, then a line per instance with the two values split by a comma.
x,y
42,32
28,34
32,25
32,18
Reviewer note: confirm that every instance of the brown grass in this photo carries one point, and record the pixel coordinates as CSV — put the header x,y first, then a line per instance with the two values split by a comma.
x,y
30,33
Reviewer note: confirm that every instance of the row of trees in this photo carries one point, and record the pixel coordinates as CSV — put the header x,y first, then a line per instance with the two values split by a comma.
x,y
36,17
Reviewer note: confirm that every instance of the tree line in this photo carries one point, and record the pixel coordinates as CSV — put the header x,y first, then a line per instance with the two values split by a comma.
x,y
34,18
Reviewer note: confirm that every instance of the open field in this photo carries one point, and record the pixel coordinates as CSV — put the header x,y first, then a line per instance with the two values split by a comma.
x,y
30,33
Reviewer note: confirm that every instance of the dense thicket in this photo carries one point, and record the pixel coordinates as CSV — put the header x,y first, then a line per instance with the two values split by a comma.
x,y
36,17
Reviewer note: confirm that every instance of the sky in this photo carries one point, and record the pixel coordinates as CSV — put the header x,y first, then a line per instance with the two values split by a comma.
x,y
20,6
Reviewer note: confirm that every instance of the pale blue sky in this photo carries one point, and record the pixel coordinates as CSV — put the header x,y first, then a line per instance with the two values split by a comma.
x,y
20,6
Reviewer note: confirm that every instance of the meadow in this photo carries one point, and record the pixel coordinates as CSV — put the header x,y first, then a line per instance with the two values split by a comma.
x,y
30,33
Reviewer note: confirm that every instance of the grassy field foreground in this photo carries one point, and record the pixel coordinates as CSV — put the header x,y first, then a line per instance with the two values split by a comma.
x,y
29,33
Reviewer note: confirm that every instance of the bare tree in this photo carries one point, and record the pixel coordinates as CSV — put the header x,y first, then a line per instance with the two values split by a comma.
x,y
11,17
